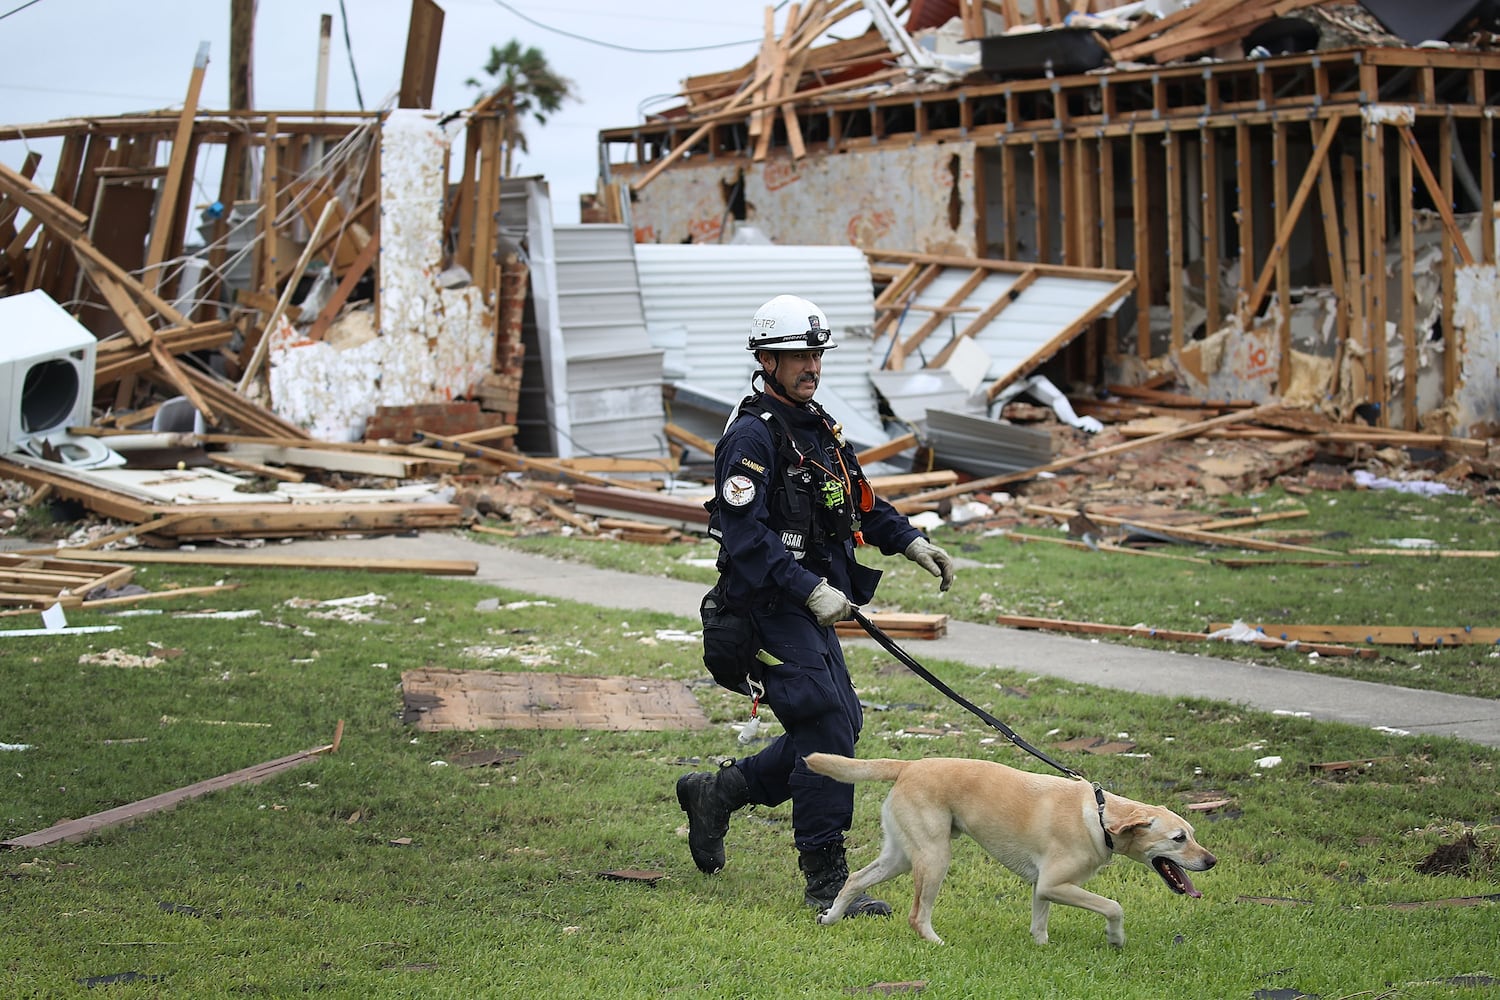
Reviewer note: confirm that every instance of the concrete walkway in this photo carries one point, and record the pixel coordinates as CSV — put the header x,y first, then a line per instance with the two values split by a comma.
x,y
1145,671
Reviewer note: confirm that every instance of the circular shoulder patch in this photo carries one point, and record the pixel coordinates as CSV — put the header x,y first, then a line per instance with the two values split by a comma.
x,y
738,490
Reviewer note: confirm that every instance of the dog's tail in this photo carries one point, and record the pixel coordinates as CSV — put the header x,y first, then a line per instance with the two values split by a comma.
x,y
849,770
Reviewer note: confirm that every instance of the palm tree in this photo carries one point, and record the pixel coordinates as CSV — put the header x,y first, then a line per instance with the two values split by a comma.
x,y
521,84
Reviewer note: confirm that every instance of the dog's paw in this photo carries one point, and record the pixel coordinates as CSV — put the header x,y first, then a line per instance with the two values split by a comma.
x,y
826,918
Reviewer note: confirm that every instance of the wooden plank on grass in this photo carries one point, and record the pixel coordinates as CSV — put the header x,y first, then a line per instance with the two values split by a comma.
x,y
1380,635
74,830
1170,635
432,567
899,625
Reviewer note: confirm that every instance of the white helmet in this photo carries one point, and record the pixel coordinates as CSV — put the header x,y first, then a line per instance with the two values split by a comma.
x,y
789,323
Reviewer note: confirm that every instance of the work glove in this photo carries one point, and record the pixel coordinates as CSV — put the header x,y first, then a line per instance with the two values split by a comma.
x,y
931,558
828,604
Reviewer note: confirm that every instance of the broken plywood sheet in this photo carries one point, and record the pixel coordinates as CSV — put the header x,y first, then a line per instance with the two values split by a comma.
x,y
438,699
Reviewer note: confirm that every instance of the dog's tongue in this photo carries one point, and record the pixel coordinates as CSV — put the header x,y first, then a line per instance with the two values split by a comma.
x,y
1177,880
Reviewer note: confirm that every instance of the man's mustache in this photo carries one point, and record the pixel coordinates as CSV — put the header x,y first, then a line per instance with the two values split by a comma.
x,y
807,377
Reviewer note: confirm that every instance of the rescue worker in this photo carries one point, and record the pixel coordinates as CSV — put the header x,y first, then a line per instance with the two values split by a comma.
x,y
791,504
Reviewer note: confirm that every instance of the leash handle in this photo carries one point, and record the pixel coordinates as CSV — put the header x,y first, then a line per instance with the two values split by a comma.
x,y
911,664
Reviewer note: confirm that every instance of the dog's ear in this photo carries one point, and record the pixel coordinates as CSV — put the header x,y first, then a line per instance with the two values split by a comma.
x,y
1127,819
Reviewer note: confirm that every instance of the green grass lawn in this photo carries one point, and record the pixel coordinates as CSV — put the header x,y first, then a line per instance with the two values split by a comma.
x,y
1000,576
389,870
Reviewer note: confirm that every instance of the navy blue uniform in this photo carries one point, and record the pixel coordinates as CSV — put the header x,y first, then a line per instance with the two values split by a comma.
x,y
769,569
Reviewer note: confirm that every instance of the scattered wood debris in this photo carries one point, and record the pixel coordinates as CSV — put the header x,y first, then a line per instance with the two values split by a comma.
x,y
1175,635
898,625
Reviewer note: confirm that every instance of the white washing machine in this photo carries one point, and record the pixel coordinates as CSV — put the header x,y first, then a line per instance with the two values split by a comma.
x,y
47,381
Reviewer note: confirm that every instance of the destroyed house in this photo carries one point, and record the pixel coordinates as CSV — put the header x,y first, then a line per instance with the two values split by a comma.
x,y
1306,200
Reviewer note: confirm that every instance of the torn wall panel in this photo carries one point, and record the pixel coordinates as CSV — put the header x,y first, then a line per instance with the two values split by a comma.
x,y
912,198
433,344
1476,317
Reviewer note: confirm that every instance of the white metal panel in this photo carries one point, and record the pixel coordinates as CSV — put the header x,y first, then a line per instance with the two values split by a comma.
x,y
1026,326
611,373
710,291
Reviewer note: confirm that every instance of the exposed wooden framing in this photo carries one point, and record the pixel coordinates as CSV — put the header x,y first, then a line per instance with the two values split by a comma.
x,y
263,275
1069,218
1452,337
1487,183
1354,301
1411,155
1375,316
1176,238
1041,195
1208,173
1108,233
1332,240
1009,200
1245,209
1286,217
1141,221
487,200
1408,305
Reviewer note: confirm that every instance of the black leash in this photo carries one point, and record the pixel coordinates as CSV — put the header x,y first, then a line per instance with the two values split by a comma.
x,y
890,646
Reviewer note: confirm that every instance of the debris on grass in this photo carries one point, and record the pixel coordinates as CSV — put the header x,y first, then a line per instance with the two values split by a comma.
x,y
1465,857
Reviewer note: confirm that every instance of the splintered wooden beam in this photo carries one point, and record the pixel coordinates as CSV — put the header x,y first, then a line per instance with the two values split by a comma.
x,y
431,567
140,331
73,830
166,204
1172,635
897,625
1379,635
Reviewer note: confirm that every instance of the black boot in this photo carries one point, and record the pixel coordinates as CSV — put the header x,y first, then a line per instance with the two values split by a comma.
x,y
708,797
827,870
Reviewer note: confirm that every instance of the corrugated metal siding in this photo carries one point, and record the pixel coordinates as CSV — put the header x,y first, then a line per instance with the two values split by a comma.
x,y
613,373
699,299
985,447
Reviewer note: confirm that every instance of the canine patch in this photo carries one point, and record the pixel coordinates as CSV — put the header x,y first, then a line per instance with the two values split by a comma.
x,y
738,491
753,466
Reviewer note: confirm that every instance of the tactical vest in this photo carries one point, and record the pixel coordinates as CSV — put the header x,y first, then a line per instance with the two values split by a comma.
x,y
811,510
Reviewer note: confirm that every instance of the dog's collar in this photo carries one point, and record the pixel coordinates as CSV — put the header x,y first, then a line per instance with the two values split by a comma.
x,y
1109,841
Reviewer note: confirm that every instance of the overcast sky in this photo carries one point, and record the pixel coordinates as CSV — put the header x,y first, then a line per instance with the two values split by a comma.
x,y
65,58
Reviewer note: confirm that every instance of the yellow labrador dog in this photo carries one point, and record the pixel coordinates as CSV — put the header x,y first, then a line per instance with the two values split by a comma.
x,y
1054,832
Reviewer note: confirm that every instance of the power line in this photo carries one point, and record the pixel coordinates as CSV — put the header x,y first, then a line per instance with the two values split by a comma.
x,y
613,45
349,47
28,3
